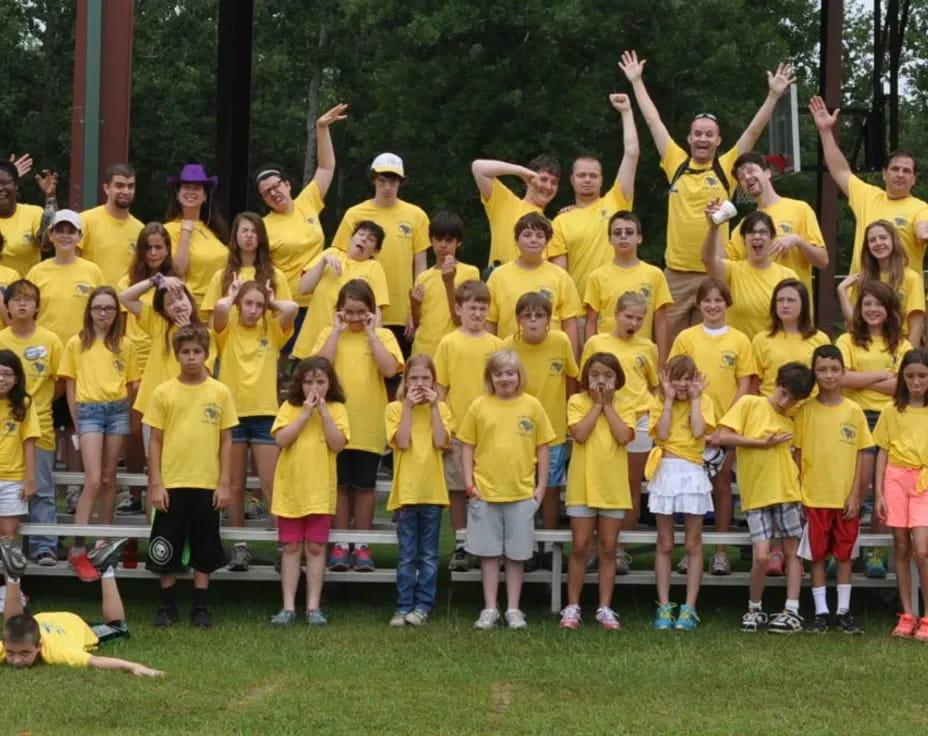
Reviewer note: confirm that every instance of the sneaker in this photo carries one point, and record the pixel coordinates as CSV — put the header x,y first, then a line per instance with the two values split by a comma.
x,y
785,622
683,566
254,509
720,564
623,562
46,559
608,619
201,617
532,563
753,620
876,563
240,557
315,617
339,560
283,618
775,563
72,496
515,619
82,565
488,618
459,562
921,634
107,553
850,626
663,621
907,626
12,557
398,620
166,616
819,624
570,618
687,620
129,507
361,560
417,617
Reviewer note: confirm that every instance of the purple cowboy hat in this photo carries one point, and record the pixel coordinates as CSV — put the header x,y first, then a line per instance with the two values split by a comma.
x,y
193,174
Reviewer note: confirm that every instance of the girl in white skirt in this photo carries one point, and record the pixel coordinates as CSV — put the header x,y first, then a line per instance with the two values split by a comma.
x,y
678,483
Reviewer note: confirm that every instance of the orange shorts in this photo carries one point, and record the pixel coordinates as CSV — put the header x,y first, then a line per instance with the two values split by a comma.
x,y
905,506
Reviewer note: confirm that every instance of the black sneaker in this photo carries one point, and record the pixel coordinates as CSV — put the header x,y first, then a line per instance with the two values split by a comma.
x,y
533,563
819,624
201,617
459,562
786,622
129,507
107,555
754,620
847,623
166,616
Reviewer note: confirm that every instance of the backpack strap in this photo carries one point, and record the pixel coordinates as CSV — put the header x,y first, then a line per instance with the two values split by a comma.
x,y
717,169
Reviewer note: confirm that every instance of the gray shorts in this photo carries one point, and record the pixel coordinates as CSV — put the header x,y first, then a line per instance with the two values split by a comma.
x,y
454,473
501,529
779,520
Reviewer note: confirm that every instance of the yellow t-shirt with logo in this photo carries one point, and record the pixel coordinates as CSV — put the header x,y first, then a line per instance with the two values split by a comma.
x,y
247,273
418,471
436,321
608,282
296,238
582,234
40,356
65,289
723,359
598,472
751,291
503,209
766,476
638,358
911,295
830,438
191,418
208,254
13,433
459,363
108,242
681,441
99,373
548,365
134,333
904,435
305,480
22,244
325,295
8,276
366,395
65,638
686,206
771,353
407,234
248,364
875,357
506,434
510,281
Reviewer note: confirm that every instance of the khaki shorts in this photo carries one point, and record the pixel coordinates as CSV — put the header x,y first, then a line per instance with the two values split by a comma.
x,y
683,312
504,529
454,472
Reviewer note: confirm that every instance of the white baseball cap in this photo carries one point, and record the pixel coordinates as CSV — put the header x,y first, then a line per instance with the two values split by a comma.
x,y
388,163
67,216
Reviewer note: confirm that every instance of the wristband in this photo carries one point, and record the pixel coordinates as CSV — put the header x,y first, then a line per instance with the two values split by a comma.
x,y
157,280
470,491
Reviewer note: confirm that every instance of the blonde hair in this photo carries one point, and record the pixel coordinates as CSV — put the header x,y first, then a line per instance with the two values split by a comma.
x,y
503,359
630,299
415,360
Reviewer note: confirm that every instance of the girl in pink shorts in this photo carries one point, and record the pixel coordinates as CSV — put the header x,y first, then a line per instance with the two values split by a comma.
x,y
901,494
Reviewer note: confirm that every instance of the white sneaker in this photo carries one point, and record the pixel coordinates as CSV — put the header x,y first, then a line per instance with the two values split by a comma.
x,y
488,618
515,619
570,617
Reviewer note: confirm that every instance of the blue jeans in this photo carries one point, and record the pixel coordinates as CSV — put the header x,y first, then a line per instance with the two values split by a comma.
x,y
42,504
417,530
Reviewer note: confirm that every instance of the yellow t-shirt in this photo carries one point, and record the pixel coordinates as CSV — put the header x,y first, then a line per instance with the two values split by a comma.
x,y
296,238
208,254
65,289
191,418
638,358
599,481
790,217
911,295
510,281
305,480
365,393
723,359
582,234
99,373
766,476
751,291
436,321
608,282
876,357
771,353
65,638
40,356
325,295
681,441
459,362
247,273
904,435
108,242
506,434
503,210
134,333
407,234
418,471
248,364
686,206
12,435
8,276
830,438
22,244
548,365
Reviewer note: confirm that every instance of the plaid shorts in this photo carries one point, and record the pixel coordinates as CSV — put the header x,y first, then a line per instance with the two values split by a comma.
x,y
778,520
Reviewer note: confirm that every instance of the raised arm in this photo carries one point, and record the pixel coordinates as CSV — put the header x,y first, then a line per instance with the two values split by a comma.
x,y
325,151
486,170
633,68
712,251
837,164
630,148
777,82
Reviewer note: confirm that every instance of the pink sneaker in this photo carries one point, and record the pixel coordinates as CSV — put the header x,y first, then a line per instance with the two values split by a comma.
x,y
82,565
921,634
608,619
775,563
570,618
907,626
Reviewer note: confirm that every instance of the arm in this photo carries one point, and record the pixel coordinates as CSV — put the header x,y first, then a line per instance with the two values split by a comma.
x,y
439,433
661,336
852,504
221,494
727,436
837,164
582,429
662,429
592,320
403,436
416,295
879,502
492,328
286,312
486,170
560,261
386,363
778,82
467,465
542,456
310,279
325,151
334,437
420,263
867,379
29,466
447,280
70,388
713,255
221,313
123,665
844,296
916,325
157,494
286,435
130,298
622,433
744,388
181,257
330,345
48,183
697,420
630,148
633,68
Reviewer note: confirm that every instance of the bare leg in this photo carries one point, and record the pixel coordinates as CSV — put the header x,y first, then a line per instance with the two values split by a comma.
x,y
636,463
238,471
290,573
489,578
903,545
113,609
112,450
458,510
265,457
364,504
920,551
581,546
515,572
721,497
759,569
793,567
92,455
200,580
607,532
9,526
693,529
662,557
551,508
315,574
13,605
342,508
135,451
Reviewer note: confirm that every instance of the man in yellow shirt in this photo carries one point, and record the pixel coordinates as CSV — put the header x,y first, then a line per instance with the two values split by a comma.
x,y
22,225
581,234
504,207
696,177
110,232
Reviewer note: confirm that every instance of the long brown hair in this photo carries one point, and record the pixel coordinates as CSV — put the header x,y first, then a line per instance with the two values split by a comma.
x,y
805,324
113,337
159,306
898,260
264,269
138,269
892,327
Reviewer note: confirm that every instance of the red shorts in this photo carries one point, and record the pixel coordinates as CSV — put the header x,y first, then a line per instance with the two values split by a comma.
x,y
830,533
311,528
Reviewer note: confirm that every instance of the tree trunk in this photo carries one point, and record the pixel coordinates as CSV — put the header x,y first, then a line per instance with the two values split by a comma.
x,y
312,110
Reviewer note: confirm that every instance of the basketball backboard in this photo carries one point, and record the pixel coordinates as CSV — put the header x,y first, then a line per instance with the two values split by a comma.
x,y
783,140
